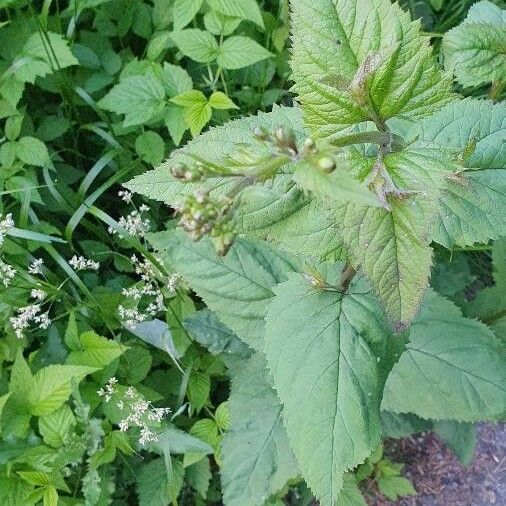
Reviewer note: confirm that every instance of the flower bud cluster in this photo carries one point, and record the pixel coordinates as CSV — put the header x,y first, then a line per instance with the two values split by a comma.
x,y
282,139
28,315
187,174
201,214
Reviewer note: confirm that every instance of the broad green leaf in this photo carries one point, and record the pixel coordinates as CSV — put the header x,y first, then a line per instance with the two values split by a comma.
x,y
397,425
257,459
473,204
199,475
135,364
222,416
140,98
474,50
237,287
176,80
459,436
244,9
392,246
472,128
218,100
96,351
359,60
327,377
453,368
472,208
175,123
56,426
213,148
238,52
158,44
72,333
199,386
197,44
197,110
184,11
154,486
157,333
42,54
52,386
32,151
150,147
205,328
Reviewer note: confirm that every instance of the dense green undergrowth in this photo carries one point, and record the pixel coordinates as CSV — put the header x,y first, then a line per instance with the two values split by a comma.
x,y
265,361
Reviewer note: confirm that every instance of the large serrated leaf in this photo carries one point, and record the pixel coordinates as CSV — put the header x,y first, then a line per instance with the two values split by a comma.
x,y
473,205
327,377
237,287
453,368
257,459
358,60
474,50
392,246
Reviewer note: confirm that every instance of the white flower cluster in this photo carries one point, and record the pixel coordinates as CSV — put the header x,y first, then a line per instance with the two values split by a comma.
x,y
134,223
131,316
27,315
36,266
108,391
139,411
38,294
7,272
5,225
79,263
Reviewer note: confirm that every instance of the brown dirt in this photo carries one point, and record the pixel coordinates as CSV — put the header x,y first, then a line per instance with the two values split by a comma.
x,y
441,480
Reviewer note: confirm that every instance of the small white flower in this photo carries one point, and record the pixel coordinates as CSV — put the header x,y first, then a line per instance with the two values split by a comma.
x,y
79,263
123,425
36,266
25,316
7,272
125,195
133,223
5,225
143,208
147,436
38,294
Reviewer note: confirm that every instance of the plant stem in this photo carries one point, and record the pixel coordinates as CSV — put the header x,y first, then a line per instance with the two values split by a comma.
x,y
346,277
495,90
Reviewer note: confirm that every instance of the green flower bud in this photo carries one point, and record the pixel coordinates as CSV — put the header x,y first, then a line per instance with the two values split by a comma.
x,y
326,164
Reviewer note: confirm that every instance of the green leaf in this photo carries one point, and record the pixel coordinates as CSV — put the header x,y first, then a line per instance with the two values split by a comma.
x,y
199,385
150,147
394,487
72,333
257,459
392,246
218,100
157,333
474,50
236,287
55,427
176,80
140,98
238,52
488,304
453,368
175,123
52,386
350,494
197,44
184,11
96,351
222,416
198,476
190,98
205,328
197,110
354,62
473,204
219,24
244,9
3,400
134,365
174,440
158,44
154,487
394,425
32,151
459,436
327,378
42,54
